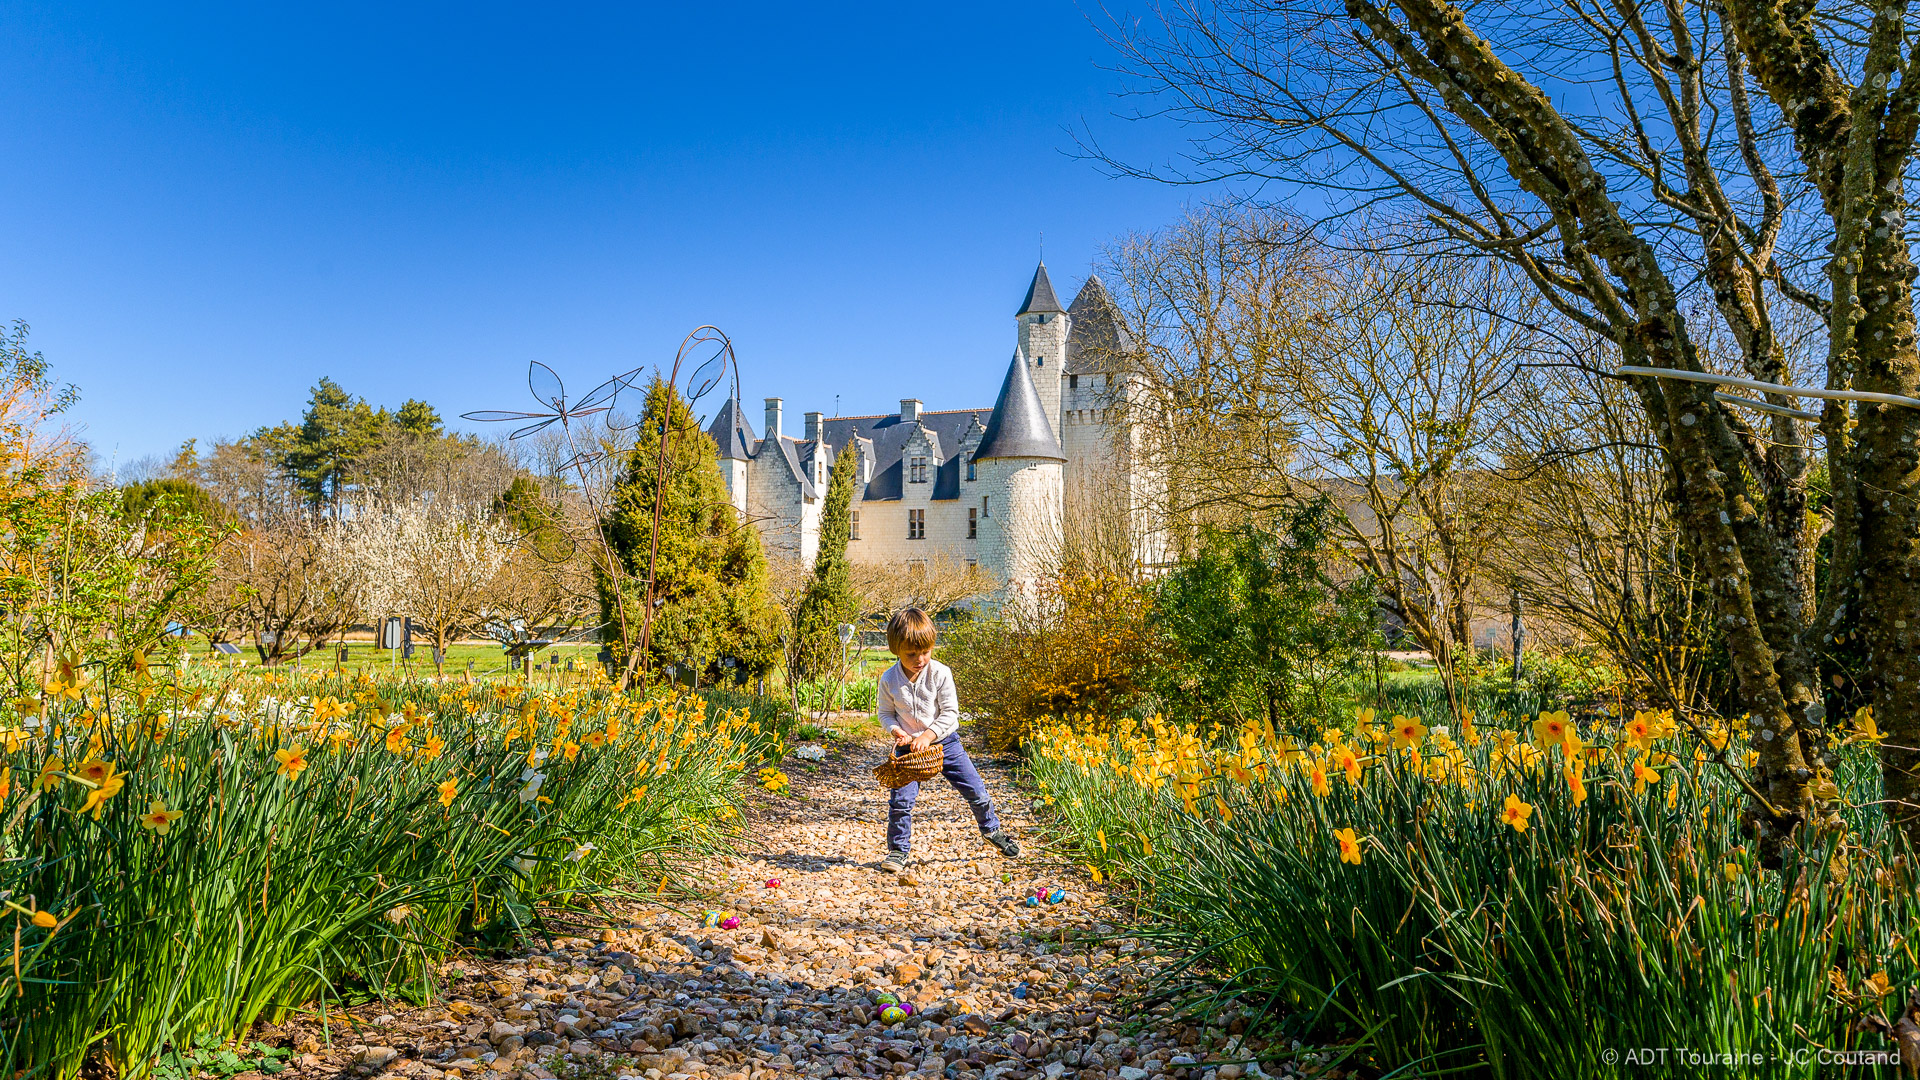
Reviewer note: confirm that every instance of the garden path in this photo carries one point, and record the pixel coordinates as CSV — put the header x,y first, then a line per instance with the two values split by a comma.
x,y
1001,991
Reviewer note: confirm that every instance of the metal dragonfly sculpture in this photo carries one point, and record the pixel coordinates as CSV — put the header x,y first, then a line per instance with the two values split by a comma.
x,y
712,353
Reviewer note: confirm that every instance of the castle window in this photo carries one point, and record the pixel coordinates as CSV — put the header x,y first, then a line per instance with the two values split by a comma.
x,y
984,512
1073,382
973,472
917,471
916,524
973,523
853,526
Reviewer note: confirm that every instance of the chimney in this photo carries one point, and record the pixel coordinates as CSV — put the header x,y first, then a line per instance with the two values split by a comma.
x,y
773,418
909,410
816,426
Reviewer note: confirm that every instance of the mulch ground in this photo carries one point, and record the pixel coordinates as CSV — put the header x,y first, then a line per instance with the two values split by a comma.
x,y
1000,989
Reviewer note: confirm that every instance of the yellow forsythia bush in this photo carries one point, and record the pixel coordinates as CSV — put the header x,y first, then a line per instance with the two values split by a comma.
x,y
1082,644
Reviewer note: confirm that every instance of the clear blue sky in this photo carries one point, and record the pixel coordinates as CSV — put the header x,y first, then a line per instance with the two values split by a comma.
x,y
206,209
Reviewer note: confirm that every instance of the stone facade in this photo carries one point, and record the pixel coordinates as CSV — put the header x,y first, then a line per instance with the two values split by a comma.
x,y
995,488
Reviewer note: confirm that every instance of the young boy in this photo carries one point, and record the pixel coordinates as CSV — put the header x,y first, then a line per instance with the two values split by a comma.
x,y
918,706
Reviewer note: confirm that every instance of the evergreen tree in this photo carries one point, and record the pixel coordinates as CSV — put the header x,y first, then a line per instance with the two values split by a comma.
x,y
170,500
419,418
335,431
829,599
711,577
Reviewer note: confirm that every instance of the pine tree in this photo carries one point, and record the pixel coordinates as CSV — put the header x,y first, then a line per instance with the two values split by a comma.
x,y
711,573
829,599
335,431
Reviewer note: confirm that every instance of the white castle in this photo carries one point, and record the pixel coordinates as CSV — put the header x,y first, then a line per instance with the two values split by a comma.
x,y
995,488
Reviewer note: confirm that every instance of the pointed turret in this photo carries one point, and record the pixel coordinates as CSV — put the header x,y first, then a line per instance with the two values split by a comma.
x,y
731,433
1020,427
1099,340
1040,296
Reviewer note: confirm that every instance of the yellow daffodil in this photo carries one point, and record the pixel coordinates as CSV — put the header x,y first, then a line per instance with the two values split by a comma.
x,y
1349,845
1576,785
1348,762
107,788
52,771
158,818
1639,731
45,920
1318,778
293,761
327,708
1552,729
1514,812
1407,732
448,788
1643,776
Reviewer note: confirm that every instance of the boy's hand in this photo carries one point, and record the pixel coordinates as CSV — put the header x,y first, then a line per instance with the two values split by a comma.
x,y
901,738
923,740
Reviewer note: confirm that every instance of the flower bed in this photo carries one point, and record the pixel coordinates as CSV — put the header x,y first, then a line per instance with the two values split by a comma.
x,y
1517,902
184,860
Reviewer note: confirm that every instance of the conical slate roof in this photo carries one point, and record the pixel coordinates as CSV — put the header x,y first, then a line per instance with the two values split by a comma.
x,y
1019,427
732,433
1099,340
1040,294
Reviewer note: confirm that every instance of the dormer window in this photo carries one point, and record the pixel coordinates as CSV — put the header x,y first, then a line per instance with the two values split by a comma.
x,y
973,471
917,471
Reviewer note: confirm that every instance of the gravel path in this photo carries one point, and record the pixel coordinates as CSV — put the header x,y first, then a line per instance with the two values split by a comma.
x,y
1001,991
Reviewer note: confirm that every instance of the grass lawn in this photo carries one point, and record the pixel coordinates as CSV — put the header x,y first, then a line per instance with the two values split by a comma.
x,y
481,659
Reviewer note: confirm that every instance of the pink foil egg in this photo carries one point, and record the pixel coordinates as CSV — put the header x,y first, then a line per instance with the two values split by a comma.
x,y
732,922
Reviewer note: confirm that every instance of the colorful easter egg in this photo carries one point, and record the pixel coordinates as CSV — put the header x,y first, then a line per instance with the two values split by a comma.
x,y
773,883
709,919
886,998
892,1014
1056,896
731,922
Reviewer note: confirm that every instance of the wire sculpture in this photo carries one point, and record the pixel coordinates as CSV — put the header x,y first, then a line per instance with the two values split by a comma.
x,y
714,351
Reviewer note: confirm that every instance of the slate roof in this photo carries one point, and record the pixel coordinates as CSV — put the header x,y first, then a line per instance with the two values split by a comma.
x,y
1099,340
729,421
1019,428
1017,425
1040,294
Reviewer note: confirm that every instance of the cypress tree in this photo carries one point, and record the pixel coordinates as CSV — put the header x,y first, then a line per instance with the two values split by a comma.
x,y
829,599
711,575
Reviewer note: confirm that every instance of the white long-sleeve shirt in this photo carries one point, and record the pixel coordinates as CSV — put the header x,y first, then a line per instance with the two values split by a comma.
x,y
927,703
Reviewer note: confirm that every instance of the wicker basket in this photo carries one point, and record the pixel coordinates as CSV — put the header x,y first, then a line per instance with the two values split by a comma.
x,y
912,767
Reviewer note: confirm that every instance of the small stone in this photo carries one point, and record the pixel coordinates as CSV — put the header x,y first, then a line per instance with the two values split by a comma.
x,y
377,1056
1128,1072
906,973
1229,1072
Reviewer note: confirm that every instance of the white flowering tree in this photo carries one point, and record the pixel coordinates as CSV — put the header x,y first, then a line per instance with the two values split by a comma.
x,y
441,568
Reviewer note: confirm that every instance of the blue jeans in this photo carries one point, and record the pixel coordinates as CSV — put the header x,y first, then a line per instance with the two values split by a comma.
x,y
965,779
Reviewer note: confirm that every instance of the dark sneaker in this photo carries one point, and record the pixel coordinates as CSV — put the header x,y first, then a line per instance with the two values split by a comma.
x,y
1003,840
895,862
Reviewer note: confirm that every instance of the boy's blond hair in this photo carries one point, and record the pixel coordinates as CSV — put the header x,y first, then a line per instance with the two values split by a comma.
x,y
910,631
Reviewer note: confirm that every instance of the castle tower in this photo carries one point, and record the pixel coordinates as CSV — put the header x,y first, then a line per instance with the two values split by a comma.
x,y
1043,342
1019,477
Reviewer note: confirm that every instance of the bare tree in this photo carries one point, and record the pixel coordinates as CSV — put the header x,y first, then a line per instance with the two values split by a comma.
x,y
278,585
1286,370
1589,541
1674,189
